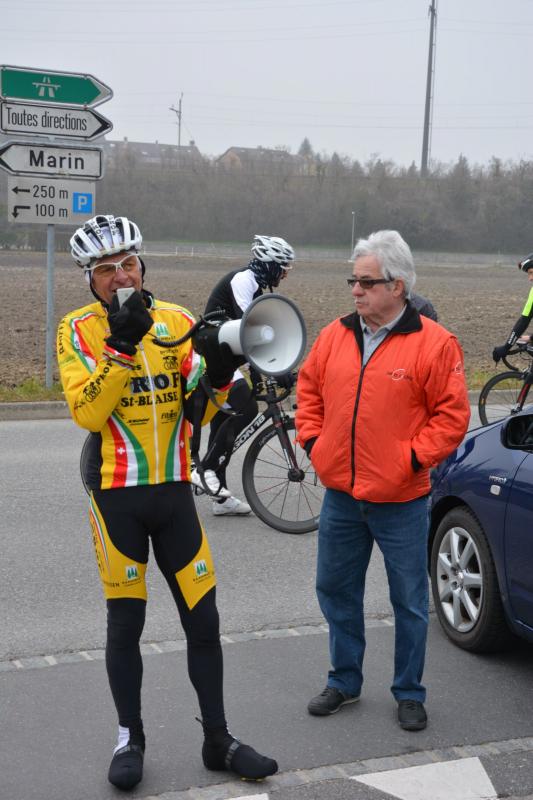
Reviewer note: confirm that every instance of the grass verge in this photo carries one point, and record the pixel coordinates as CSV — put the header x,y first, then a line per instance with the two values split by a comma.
x,y
31,390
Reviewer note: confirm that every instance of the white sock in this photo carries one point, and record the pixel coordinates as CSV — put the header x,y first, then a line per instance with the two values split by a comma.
x,y
123,738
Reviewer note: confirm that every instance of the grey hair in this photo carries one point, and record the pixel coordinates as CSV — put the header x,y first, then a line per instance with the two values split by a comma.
x,y
393,254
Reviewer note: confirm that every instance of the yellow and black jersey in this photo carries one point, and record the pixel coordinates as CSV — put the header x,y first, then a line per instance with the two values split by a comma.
x,y
135,403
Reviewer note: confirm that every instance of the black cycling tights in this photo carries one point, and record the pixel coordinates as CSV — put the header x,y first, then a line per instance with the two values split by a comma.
x,y
166,515
225,429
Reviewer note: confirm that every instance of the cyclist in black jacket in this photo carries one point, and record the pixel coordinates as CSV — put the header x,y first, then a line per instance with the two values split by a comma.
x,y
424,306
233,294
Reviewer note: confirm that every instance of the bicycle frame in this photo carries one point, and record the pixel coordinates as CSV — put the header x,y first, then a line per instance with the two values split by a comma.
x,y
524,391
526,375
277,415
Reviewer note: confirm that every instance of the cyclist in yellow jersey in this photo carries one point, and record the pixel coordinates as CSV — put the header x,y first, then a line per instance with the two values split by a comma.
x,y
522,323
135,397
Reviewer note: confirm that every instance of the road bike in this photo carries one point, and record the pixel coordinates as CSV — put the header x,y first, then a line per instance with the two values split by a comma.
x,y
506,393
279,481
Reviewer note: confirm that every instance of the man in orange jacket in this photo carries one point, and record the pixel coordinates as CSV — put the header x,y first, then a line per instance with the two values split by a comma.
x,y
381,399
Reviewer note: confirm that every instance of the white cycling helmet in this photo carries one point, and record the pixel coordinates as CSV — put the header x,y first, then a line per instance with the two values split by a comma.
x,y
104,235
273,248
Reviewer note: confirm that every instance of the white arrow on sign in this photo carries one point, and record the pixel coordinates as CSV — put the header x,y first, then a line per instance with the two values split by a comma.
x,y
62,121
54,160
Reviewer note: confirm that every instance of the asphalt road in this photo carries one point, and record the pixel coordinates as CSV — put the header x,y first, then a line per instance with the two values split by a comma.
x,y
58,725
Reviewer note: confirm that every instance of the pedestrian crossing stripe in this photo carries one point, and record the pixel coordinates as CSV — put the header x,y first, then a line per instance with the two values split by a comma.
x,y
465,779
250,797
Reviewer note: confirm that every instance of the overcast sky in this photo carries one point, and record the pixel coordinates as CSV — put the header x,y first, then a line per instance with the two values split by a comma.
x,y
348,74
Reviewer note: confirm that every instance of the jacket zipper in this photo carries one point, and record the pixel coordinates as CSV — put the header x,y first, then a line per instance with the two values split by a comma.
x,y
154,416
358,394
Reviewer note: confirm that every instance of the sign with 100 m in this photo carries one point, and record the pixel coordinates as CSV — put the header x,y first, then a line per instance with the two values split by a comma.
x,y
59,185
49,201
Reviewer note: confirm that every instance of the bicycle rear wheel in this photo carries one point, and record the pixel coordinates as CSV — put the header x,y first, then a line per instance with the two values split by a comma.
x,y
288,505
499,396
84,462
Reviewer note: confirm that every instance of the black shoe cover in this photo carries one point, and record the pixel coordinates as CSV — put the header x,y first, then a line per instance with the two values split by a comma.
x,y
239,758
126,768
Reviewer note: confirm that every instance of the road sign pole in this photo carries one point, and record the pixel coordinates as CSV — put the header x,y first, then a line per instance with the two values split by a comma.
x,y
50,252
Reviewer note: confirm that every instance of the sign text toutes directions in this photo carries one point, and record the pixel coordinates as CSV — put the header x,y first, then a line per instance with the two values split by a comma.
x,y
64,122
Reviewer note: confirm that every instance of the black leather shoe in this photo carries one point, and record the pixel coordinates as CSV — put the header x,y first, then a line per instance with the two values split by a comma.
x,y
329,701
412,715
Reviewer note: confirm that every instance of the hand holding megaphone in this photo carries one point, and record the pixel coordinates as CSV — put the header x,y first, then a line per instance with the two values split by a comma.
x,y
219,359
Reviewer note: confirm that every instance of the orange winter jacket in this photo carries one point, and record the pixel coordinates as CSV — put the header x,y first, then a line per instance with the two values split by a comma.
x,y
381,427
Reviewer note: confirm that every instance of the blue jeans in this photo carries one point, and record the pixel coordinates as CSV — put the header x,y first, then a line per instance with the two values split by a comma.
x,y
346,536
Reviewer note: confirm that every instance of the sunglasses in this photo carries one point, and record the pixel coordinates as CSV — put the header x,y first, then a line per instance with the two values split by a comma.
x,y
367,283
129,263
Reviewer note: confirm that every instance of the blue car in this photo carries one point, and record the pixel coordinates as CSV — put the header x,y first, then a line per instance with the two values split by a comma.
x,y
481,536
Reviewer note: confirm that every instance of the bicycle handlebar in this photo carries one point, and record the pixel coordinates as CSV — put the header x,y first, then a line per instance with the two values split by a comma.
x,y
270,395
517,349
521,347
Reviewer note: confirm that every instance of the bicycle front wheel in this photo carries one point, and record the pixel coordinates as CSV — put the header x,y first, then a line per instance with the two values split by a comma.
x,y
499,396
288,504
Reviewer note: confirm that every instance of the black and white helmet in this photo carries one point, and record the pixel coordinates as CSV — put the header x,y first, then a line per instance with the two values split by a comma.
x,y
104,235
527,263
273,248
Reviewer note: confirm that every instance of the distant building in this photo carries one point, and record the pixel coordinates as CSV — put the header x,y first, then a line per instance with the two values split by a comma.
x,y
261,160
151,154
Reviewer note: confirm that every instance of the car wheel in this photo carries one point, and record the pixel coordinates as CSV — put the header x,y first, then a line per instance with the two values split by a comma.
x,y
465,585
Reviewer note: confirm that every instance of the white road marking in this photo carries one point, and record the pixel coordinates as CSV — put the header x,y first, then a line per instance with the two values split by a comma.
x,y
463,780
249,797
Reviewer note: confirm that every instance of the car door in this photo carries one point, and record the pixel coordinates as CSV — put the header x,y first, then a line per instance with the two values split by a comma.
x,y
519,543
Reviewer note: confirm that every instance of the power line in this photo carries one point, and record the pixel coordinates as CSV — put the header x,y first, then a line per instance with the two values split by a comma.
x,y
217,40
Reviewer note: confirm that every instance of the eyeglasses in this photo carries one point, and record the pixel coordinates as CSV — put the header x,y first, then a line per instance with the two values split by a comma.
x,y
129,263
367,283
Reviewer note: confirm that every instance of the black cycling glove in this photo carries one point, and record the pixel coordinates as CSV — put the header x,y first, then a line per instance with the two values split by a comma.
x,y
128,323
219,360
499,352
286,380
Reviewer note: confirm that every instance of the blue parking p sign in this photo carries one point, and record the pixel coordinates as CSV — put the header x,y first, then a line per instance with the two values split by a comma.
x,y
82,202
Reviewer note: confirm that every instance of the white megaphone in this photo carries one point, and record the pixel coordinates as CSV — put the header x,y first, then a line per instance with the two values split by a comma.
x,y
271,335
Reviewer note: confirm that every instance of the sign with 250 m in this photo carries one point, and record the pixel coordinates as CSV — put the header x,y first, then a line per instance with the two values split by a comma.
x,y
44,200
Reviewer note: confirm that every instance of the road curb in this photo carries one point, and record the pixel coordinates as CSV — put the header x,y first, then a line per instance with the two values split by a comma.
x,y
58,409
49,409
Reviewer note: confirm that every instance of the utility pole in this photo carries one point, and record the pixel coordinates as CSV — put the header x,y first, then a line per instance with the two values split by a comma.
x,y
429,87
177,111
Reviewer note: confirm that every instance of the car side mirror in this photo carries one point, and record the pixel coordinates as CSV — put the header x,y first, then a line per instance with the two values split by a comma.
x,y
517,432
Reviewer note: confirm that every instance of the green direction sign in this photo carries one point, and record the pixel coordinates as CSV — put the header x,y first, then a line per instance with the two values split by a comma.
x,y
48,86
